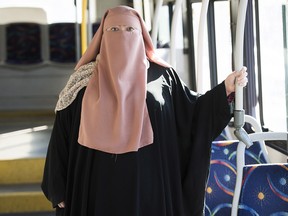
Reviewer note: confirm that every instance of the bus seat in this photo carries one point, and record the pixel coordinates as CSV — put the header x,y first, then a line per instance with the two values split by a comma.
x,y
222,178
62,42
223,135
95,27
23,43
22,14
264,190
260,189
2,44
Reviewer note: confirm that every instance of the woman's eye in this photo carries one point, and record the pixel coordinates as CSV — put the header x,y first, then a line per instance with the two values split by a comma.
x,y
113,29
130,29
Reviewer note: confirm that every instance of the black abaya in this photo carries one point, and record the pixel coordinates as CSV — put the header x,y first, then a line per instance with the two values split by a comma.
x,y
166,178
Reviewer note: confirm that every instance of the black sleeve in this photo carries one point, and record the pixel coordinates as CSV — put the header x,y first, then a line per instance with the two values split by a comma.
x,y
199,115
212,111
199,119
55,170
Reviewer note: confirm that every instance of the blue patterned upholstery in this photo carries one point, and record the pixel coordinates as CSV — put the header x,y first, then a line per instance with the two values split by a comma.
x,y
222,178
95,27
264,190
62,42
222,136
23,43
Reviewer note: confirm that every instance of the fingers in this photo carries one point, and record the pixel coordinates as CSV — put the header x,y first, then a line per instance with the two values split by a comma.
x,y
241,77
61,205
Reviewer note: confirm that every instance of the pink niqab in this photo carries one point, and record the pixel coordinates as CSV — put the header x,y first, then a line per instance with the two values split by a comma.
x,y
114,116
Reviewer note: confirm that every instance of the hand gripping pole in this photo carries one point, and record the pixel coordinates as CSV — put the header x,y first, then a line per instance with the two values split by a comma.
x,y
239,132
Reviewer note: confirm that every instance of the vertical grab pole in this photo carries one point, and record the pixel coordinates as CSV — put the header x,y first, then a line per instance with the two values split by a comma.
x,y
84,27
238,55
156,16
239,132
77,32
200,46
89,23
173,32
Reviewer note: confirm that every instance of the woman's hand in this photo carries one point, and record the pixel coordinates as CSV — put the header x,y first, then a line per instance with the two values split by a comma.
x,y
236,77
61,205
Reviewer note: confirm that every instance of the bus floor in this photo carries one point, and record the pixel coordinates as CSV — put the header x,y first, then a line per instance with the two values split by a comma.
x,y
24,137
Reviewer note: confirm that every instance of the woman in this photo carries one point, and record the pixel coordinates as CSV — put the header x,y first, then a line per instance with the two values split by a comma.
x,y
129,137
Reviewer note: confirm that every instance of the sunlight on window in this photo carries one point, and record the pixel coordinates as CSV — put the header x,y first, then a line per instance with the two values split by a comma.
x,y
272,64
196,8
223,39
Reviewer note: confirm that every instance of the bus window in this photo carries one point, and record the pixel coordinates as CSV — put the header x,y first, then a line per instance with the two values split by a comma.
x,y
223,39
196,10
164,28
273,64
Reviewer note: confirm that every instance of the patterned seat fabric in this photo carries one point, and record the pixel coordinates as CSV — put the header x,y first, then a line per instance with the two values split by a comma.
x,y
62,42
23,41
222,136
95,27
222,178
264,190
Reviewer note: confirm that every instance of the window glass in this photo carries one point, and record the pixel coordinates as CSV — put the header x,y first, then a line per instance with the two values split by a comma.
x,y
273,64
223,39
206,85
164,29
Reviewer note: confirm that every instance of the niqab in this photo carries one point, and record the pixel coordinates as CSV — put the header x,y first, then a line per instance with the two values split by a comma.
x,y
114,116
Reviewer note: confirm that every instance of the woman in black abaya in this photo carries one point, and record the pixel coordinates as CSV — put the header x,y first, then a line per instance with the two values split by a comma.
x,y
129,137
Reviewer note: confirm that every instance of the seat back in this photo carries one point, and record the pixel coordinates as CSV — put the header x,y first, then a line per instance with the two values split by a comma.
x,y
95,27
22,14
264,190
223,171
23,36
222,178
23,43
260,189
62,42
